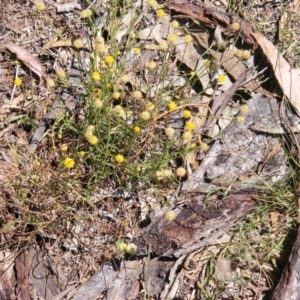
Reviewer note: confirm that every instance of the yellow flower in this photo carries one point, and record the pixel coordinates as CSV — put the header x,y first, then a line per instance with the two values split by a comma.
x,y
244,109
175,24
136,129
207,62
145,115
152,3
187,113
159,175
69,163
239,53
138,169
246,54
222,78
172,37
40,6
78,43
151,65
124,79
240,119
17,81
91,128
93,140
193,73
136,50
160,13
85,13
172,106
50,83
82,153
137,95
64,147
188,39
122,246
98,103
116,96
189,126
169,131
180,172
163,46
100,40
96,76
150,106
109,59
170,215
187,136
119,158
118,109
101,48
61,74
131,248
203,147
235,26
167,173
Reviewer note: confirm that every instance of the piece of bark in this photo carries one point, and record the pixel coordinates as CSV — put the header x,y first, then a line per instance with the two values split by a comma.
x,y
195,226
289,284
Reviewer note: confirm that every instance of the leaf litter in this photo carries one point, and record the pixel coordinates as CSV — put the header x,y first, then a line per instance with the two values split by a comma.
x,y
208,109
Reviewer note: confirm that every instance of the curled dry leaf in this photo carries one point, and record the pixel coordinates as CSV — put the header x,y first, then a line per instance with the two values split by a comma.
x,y
287,77
31,62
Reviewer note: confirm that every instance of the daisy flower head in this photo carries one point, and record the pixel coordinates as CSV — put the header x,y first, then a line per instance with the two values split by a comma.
x,y
116,95
50,83
98,103
93,140
145,115
40,6
151,65
172,37
119,158
235,26
136,129
124,79
187,136
172,106
222,79
170,215
96,76
187,114
175,24
244,109
61,74
69,163
203,147
190,126
188,39
64,147
131,248
152,3
150,106
160,13
109,59
169,131
246,54
82,153
163,46
137,95
78,43
17,81
181,172
238,53
85,13
136,50
240,119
